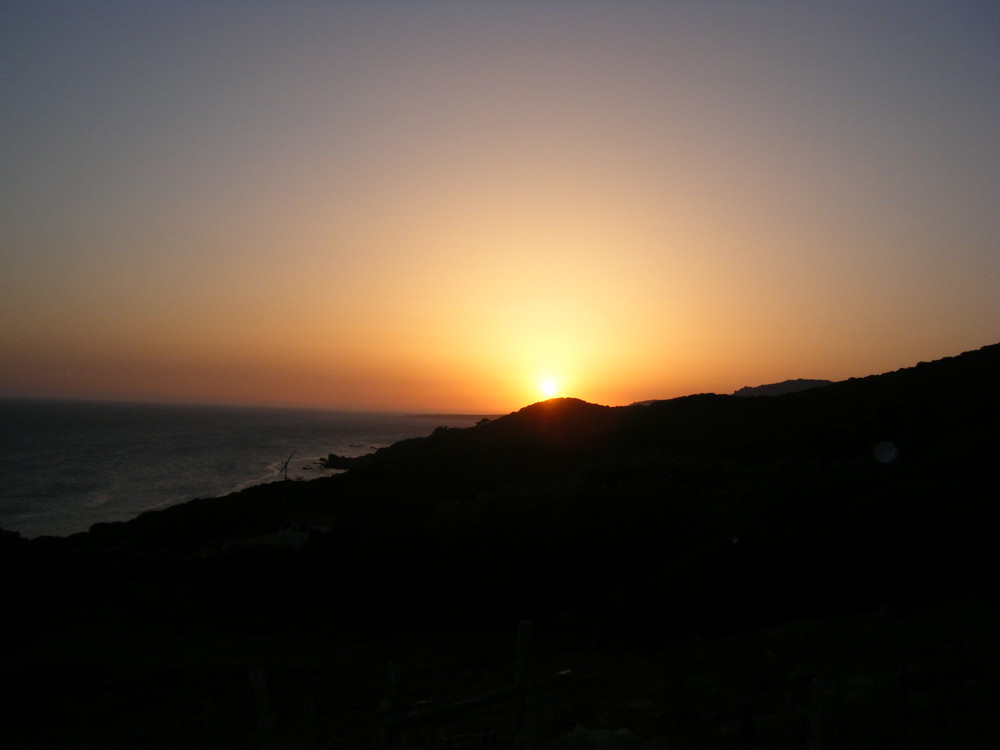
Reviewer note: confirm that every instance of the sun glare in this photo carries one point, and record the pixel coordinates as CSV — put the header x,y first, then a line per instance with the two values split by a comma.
x,y
549,388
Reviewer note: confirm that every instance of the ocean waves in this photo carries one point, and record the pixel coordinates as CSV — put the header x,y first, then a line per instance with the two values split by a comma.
x,y
68,465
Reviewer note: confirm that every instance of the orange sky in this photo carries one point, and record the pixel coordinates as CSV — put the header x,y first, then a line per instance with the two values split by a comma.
x,y
441,205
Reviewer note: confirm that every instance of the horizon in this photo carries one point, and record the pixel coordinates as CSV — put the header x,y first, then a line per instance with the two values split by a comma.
x,y
468,209
431,411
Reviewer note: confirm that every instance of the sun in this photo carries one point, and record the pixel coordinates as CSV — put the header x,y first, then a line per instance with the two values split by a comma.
x,y
549,388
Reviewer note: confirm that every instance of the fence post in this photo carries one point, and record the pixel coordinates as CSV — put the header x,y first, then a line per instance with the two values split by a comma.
x,y
816,714
841,734
520,678
309,713
747,725
390,704
265,719
521,654
905,706
521,669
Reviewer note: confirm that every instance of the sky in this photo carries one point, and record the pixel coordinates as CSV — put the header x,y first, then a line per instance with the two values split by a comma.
x,y
446,205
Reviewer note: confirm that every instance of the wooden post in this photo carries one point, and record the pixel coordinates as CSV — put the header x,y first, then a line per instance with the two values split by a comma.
x,y
309,711
265,719
905,707
540,707
816,714
842,723
217,738
521,655
747,725
520,678
432,703
390,704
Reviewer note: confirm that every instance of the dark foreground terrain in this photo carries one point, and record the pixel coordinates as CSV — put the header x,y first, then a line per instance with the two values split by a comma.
x,y
811,570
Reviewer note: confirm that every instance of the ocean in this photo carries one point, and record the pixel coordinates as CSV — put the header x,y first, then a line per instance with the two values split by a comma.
x,y
65,465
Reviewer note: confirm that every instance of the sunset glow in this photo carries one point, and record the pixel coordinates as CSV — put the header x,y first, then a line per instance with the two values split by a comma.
x,y
549,388
420,205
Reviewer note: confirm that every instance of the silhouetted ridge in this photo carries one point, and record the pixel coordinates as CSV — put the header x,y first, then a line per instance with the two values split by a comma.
x,y
557,422
560,406
778,389
706,513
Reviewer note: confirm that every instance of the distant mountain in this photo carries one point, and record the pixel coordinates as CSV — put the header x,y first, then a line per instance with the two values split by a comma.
x,y
779,389
770,389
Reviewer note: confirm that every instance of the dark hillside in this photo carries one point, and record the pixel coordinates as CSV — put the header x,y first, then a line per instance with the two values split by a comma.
x,y
851,485
699,517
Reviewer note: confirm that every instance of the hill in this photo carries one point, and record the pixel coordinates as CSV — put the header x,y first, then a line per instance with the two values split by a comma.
x,y
852,464
779,389
706,517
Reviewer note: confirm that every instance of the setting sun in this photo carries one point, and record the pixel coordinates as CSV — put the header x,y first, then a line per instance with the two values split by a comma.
x,y
571,234
549,388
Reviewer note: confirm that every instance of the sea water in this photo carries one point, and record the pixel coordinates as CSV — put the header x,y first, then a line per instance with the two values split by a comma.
x,y
66,465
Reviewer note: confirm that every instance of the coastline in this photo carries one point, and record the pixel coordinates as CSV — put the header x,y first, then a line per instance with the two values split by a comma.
x,y
69,465
694,568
